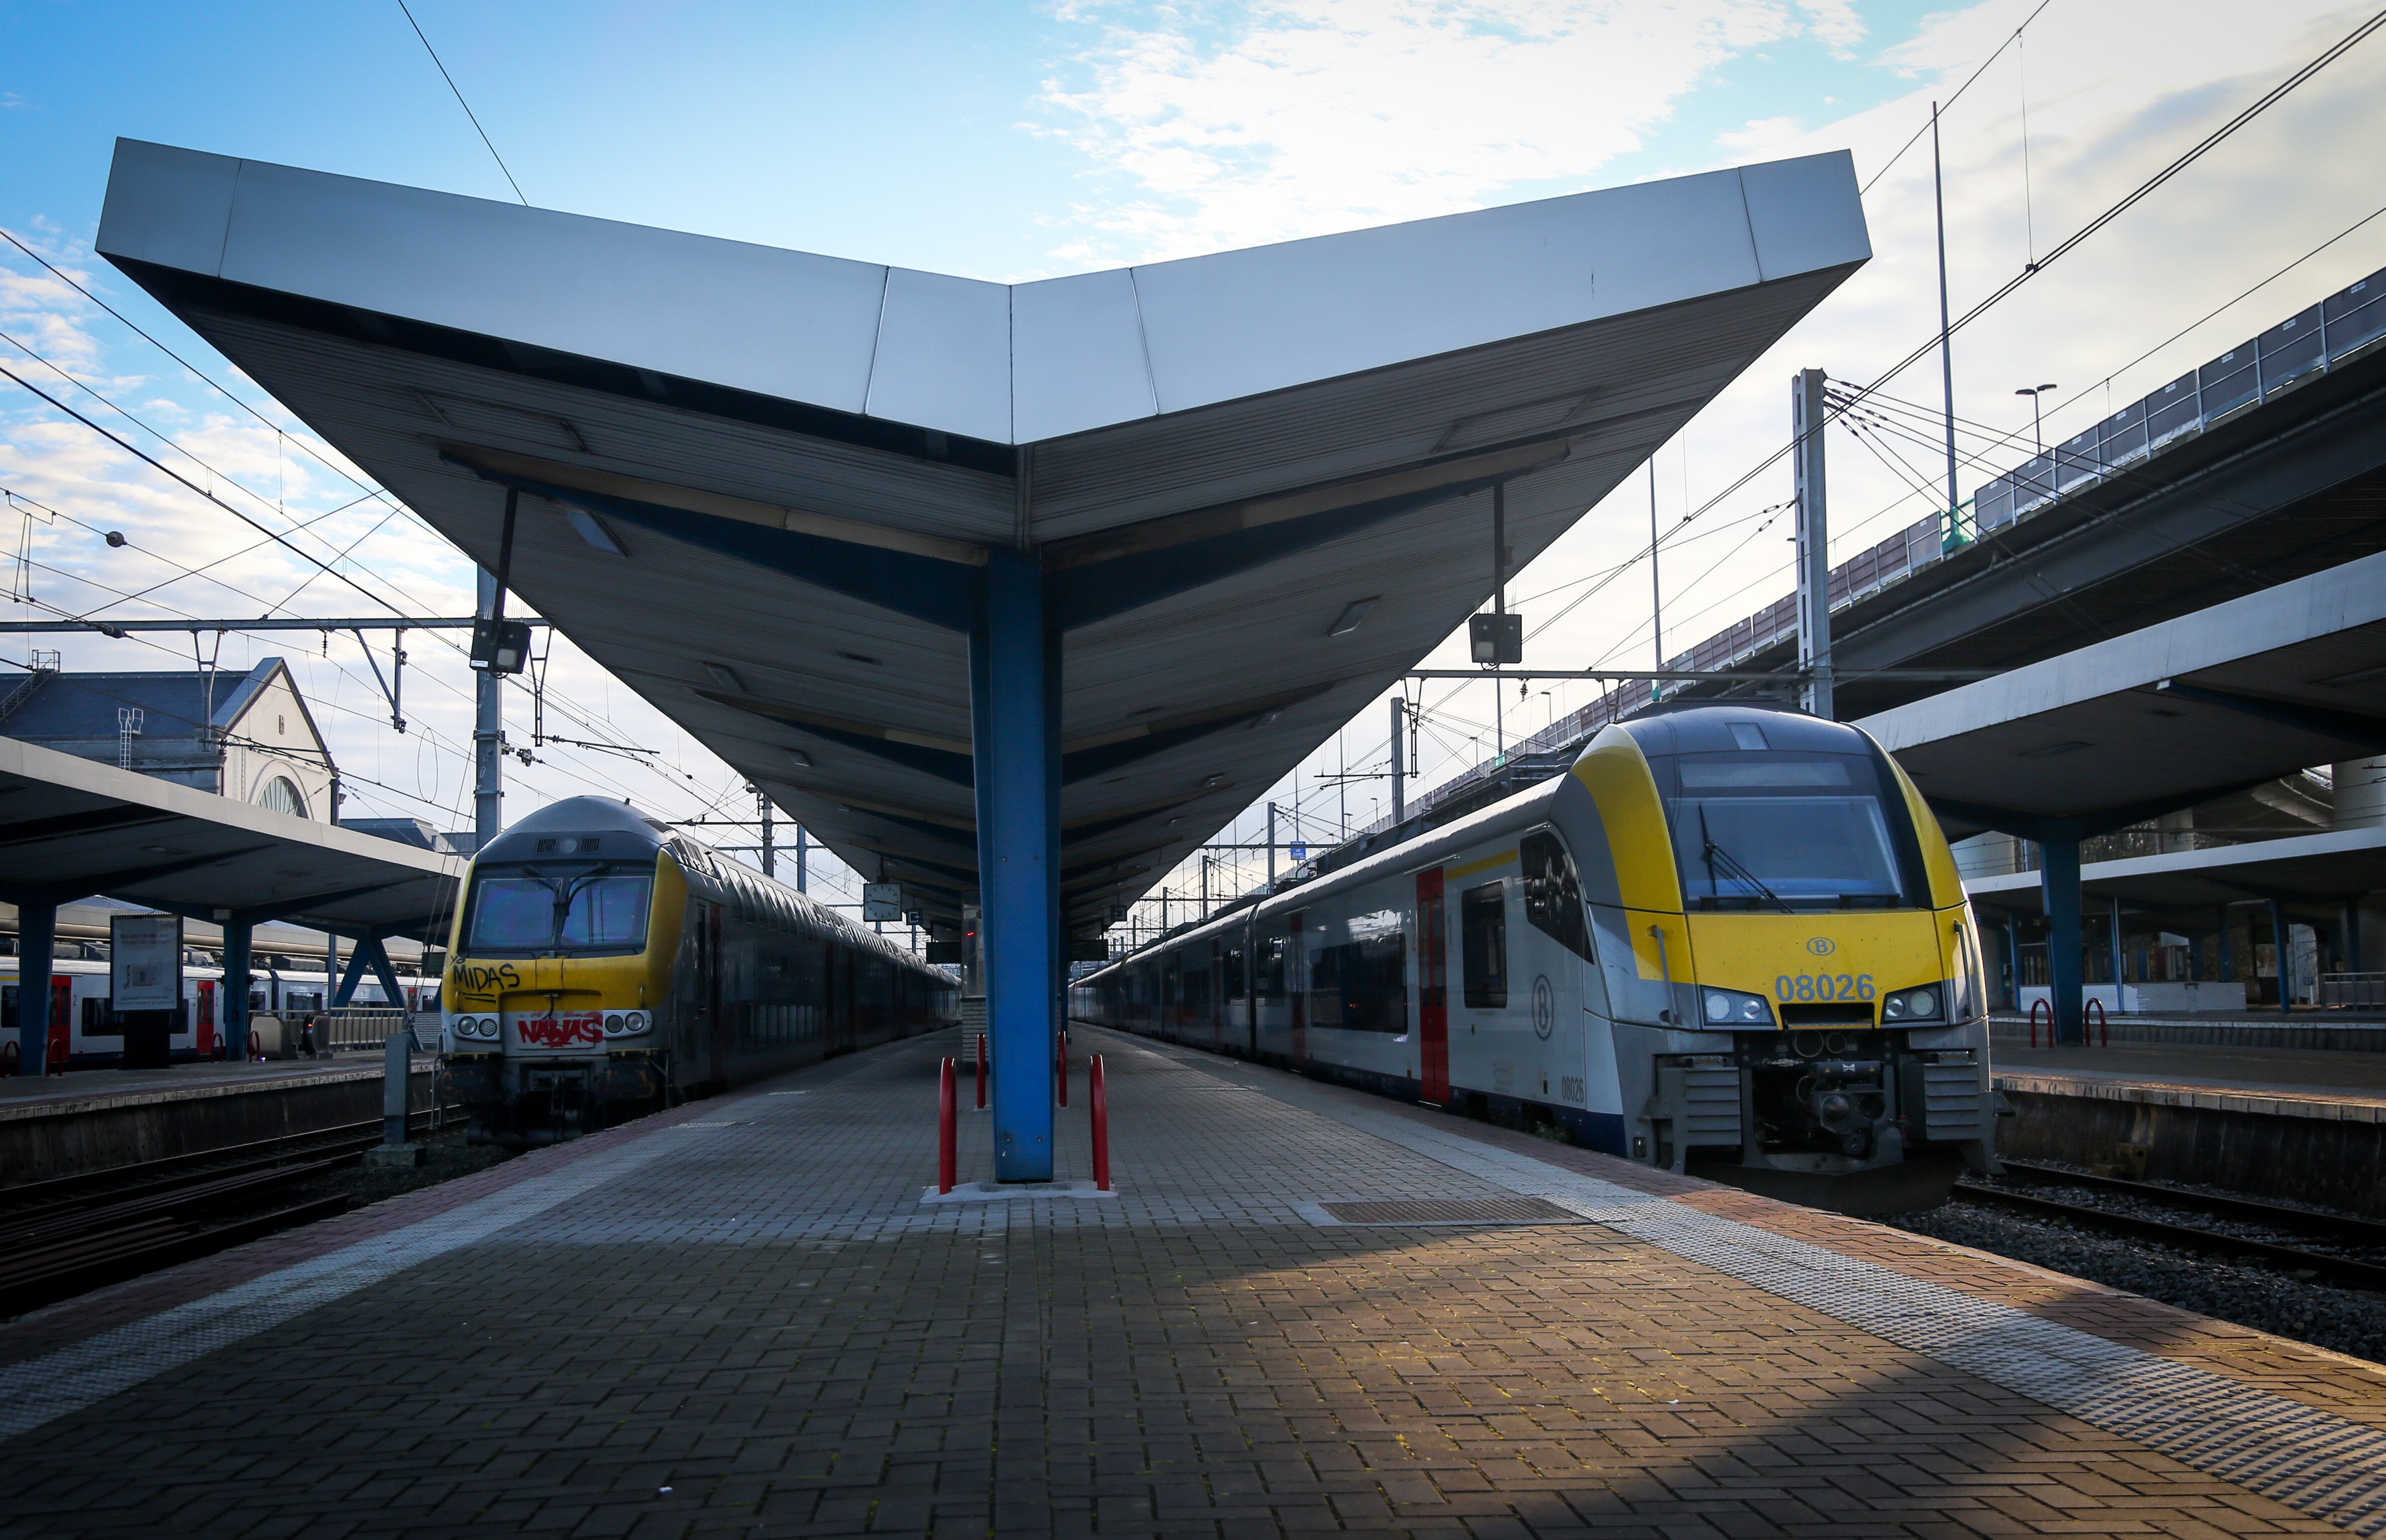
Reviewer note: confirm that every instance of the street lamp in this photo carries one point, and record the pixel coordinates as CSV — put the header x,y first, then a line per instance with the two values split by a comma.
x,y
2037,439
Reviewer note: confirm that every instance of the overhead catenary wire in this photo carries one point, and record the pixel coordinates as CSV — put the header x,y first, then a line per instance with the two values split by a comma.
x,y
461,103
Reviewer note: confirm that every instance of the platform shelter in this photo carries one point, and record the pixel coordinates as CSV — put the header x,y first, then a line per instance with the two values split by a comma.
x,y
1012,594
72,829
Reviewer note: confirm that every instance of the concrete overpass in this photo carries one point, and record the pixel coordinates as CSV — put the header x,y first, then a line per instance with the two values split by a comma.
x,y
2158,719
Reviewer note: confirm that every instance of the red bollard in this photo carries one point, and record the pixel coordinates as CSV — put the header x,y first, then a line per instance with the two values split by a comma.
x,y
981,1071
1094,1095
2034,1007
1061,1068
2104,1024
947,1139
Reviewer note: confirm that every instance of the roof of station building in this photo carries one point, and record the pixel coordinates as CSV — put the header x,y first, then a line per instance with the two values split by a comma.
x,y
1222,453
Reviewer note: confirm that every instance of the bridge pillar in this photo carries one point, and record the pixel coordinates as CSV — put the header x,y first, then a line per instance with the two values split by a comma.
x,y
1015,731
2058,873
37,938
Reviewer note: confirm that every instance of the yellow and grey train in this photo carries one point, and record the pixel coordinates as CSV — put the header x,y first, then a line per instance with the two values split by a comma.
x,y
1730,941
602,966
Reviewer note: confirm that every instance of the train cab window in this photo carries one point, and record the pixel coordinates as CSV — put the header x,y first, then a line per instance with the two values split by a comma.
x,y
1786,831
1554,893
531,910
608,911
511,914
1483,945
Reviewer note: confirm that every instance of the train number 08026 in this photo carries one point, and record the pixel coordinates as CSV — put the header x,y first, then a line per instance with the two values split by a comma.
x,y
1823,986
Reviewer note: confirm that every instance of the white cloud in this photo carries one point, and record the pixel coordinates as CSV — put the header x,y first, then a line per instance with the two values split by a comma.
x,y
1301,117
1761,135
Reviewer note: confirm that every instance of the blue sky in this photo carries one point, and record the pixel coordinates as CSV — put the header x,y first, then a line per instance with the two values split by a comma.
x,y
926,134
1015,141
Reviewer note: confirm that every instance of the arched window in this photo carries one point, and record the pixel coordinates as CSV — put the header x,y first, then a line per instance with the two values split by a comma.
x,y
281,796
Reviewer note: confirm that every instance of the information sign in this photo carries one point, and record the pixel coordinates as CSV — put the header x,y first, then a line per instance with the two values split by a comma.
x,y
144,962
1298,852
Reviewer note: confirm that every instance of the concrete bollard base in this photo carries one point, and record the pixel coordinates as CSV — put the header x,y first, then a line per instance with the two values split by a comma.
x,y
396,1155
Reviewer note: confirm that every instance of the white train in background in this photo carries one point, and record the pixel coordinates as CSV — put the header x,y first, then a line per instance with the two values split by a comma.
x,y
83,1028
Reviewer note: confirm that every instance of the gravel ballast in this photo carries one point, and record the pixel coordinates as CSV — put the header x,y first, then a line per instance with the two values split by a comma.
x,y
2347,1321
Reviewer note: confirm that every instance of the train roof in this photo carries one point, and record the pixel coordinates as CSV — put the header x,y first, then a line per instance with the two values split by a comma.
x,y
1689,728
602,828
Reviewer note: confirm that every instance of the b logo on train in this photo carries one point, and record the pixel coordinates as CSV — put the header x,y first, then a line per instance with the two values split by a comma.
x,y
1731,941
602,966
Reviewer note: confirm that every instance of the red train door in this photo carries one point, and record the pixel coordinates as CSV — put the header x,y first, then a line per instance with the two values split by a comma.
x,y
1433,988
204,1041
61,1046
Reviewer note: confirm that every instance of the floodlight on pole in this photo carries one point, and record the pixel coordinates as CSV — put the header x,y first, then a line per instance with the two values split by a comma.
x,y
2037,436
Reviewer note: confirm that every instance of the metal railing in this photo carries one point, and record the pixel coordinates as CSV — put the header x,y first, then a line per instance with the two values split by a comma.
x,y
2362,991
358,1027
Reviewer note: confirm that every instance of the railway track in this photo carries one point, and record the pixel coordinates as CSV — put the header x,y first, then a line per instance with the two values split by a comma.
x,y
2319,1266
70,1235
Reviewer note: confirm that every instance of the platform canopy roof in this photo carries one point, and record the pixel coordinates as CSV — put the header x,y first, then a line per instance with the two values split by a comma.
x,y
761,482
2328,868
2159,718
70,828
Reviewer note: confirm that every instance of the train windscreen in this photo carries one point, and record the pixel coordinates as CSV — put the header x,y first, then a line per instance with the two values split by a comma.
x,y
1786,832
526,910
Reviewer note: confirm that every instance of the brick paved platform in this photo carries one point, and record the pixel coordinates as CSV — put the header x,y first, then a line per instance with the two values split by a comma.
x,y
740,1319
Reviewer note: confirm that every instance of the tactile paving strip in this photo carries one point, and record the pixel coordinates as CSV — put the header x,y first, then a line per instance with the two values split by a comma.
x,y
1522,1210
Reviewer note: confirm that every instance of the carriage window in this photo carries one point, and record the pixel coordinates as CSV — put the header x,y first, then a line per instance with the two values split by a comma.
x,y
1270,968
1362,985
1483,945
1554,894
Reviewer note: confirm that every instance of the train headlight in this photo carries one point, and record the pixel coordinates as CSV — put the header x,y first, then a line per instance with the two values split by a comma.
x,y
1912,1004
612,1024
633,1022
1729,1008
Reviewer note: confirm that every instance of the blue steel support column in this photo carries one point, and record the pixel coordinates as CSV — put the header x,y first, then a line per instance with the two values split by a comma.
x,y
2058,871
1015,730
37,938
2279,935
234,1013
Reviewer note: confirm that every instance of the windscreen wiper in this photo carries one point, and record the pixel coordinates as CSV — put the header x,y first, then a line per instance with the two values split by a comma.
x,y
1733,869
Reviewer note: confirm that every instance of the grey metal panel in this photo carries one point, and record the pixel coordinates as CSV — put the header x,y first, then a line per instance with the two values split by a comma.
x,y
785,323
1245,322
944,355
1077,357
167,206
1805,213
